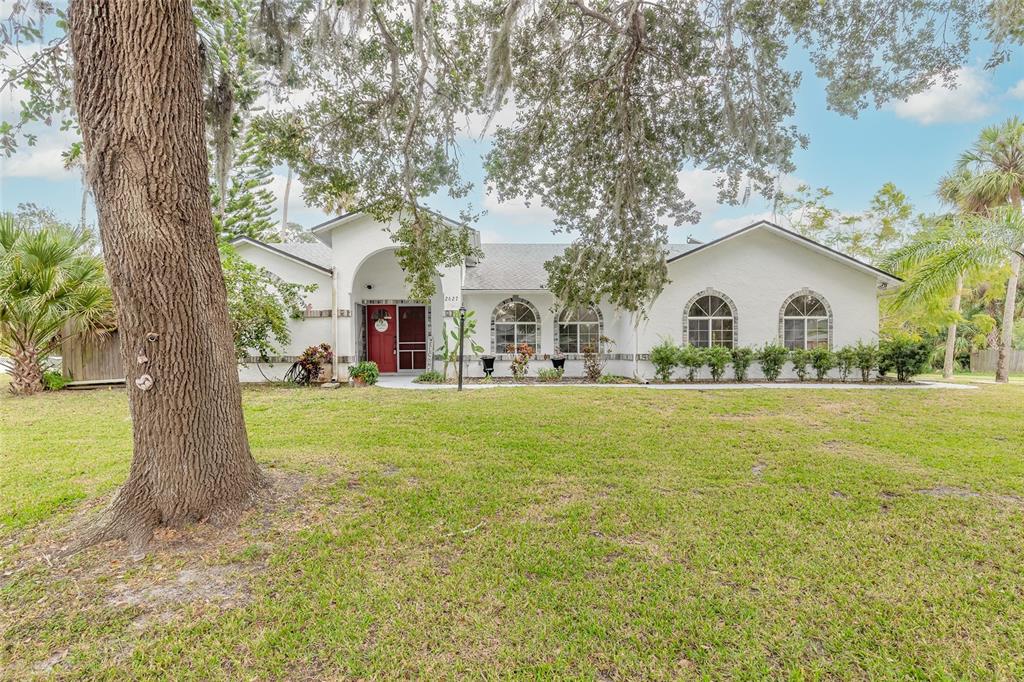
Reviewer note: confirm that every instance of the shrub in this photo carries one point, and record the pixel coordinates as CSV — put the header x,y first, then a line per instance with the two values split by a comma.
x,y
550,375
741,360
613,379
905,354
309,366
365,370
53,380
665,357
717,358
592,365
772,359
431,376
692,358
846,360
866,359
800,358
822,360
522,354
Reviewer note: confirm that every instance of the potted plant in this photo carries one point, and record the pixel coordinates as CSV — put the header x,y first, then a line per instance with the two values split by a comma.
x,y
488,362
558,359
364,373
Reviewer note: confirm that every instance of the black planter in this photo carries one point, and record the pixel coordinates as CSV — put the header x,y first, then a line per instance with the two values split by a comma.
x,y
488,361
558,363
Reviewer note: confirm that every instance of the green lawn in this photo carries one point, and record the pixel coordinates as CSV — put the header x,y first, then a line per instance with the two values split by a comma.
x,y
598,533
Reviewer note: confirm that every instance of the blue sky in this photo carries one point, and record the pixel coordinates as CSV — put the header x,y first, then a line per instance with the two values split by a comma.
x,y
909,143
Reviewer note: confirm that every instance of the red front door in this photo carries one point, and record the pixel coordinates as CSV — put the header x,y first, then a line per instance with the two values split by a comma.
x,y
382,337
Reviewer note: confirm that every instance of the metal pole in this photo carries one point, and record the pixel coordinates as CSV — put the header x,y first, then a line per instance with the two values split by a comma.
x,y
462,334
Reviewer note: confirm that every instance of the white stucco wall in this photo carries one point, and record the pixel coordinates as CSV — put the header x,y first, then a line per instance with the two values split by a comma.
x,y
758,270
304,332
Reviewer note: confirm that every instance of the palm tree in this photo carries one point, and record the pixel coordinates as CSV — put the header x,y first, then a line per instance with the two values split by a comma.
x,y
996,162
937,261
51,286
953,190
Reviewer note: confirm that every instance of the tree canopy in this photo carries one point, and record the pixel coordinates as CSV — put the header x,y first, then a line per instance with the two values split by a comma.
x,y
611,101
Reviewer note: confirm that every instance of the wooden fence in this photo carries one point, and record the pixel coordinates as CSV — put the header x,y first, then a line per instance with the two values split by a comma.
x,y
985,360
88,357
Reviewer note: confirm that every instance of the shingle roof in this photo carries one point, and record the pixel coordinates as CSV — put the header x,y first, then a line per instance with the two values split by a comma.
x,y
509,267
316,252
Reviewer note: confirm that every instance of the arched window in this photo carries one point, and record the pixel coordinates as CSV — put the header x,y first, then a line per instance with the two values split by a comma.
x,y
515,321
578,328
710,322
805,321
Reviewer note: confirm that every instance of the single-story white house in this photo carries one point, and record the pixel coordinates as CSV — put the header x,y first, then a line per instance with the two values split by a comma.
x,y
761,284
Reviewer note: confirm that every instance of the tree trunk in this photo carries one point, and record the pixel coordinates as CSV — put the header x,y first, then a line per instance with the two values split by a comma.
x,y
26,372
947,363
284,209
1009,306
139,103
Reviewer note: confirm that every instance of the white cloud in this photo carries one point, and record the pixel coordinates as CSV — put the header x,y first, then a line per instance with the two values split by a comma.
x,y
14,57
970,100
726,225
474,124
518,210
1017,91
293,100
298,211
699,187
42,160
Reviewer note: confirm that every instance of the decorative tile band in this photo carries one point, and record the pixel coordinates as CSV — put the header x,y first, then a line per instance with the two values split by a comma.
x,y
314,313
506,357
278,359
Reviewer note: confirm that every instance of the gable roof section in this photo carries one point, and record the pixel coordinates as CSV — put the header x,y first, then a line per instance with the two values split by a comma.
x,y
520,267
839,256
315,255
344,218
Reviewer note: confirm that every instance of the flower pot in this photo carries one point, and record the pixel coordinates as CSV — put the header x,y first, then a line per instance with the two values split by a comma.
x,y
358,381
558,363
488,362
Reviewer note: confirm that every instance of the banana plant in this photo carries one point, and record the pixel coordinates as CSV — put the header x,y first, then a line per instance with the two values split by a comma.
x,y
450,349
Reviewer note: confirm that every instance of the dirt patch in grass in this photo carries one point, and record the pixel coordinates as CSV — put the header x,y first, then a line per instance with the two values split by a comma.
x,y
867,454
959,493
949,491
556,497
200,566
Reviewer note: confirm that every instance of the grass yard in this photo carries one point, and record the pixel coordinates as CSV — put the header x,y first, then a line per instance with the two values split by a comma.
x,y
600,533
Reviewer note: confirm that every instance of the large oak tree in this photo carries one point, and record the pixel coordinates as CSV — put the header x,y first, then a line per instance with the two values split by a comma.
x,y
138,96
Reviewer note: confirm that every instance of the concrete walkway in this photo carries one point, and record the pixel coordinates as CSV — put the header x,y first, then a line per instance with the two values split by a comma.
x,y
406,382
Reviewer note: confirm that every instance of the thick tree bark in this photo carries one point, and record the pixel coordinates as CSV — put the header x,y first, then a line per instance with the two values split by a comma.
x,y
947,361
1009,307
139,103
26,372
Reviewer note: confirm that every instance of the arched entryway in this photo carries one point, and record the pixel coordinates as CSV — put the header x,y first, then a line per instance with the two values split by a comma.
x,y
391,329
